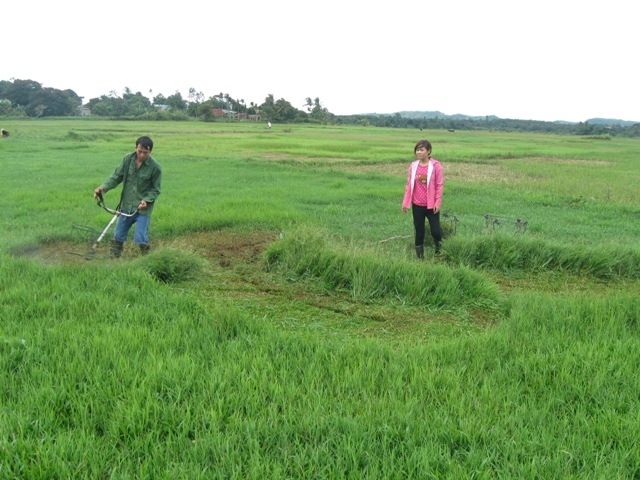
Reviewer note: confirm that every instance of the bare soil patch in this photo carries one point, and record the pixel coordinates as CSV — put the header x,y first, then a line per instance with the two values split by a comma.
x,y
224,247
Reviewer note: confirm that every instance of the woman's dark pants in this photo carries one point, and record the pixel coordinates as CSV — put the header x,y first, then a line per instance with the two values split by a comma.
x,y
420,216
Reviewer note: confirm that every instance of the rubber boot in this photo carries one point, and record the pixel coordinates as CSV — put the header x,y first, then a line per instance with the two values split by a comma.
x,y
420,251
116,248
438,249
145,248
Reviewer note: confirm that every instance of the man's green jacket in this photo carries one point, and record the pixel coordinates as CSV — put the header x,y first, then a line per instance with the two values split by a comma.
x,y
140,183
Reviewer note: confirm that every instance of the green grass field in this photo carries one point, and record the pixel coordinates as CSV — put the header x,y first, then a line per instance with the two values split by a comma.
x,y
281,326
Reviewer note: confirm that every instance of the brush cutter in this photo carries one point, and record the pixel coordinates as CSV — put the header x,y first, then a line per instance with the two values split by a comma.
x,y
92,252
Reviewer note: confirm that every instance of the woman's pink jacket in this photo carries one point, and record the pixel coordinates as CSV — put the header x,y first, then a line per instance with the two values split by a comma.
x,y
435,184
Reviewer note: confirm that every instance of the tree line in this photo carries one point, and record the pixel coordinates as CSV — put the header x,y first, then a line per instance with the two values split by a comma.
x,y
596,130
28,98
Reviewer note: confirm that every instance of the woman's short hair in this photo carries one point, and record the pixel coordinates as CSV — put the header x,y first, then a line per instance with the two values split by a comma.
x,y
422,143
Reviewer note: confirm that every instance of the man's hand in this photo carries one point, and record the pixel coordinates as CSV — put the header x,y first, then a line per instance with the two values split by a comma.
x,y
143,205
98,191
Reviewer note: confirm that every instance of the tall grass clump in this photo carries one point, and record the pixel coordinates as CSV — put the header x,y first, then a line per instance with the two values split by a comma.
x,y
171,265
367,275
509,253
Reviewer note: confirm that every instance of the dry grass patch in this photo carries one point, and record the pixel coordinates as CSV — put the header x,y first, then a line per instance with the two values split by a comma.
x,y
565,161
287,157
462,172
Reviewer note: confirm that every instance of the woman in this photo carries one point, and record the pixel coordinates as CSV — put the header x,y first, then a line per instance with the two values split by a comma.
x,y
423,194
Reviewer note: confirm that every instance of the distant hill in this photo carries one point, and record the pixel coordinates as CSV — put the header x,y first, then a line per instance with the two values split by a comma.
x,y
436,114
433,114
611,121
459,116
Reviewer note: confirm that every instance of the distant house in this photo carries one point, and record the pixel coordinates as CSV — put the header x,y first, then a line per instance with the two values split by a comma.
x,y
84,111
220,112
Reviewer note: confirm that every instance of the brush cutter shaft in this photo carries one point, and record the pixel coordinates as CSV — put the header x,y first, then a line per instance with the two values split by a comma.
x,y
104,232
115,213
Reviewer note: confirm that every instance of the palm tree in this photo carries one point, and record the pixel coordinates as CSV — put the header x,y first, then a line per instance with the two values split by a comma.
x,y
308,103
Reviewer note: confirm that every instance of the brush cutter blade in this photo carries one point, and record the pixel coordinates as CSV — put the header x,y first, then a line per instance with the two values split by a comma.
x,y
85,233
89,255
90,236
93,252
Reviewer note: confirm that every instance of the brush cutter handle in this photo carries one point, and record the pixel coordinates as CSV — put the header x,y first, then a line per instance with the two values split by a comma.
x,y
118,213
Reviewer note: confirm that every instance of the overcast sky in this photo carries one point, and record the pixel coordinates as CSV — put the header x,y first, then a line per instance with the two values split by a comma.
x,y
542,60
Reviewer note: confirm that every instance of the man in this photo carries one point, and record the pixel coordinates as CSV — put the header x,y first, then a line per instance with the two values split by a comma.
x,y
141,176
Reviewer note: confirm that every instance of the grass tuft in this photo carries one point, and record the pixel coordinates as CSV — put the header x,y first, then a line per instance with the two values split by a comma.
x,y
171,265
508,253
